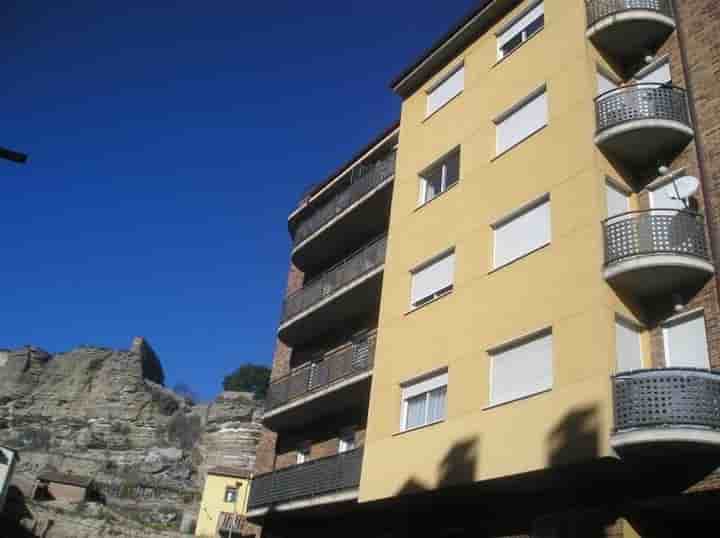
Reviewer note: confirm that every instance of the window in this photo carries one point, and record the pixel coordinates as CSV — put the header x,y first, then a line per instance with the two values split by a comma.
x,y
628,346
520,30
303,454
522,120
440,176
446,89
686,341
230,495
432,279
346,441
617,201
522,368
524,231
658,73
605,83
424,401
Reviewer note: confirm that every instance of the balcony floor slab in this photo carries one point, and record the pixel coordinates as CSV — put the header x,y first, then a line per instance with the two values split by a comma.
x,y
650,274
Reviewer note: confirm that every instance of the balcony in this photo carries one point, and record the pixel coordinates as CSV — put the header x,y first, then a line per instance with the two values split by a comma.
x,y
360,209
350,288
340,379
228,522
656,251
318,482
643,124
666,407
628,30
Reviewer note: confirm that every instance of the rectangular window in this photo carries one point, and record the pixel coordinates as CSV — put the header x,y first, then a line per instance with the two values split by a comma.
x,y
520,30
659,74
303,454
524,231
686,342
440,176
617,201
346,441
628,346
522,369
432,279
522,120
424,402
605,83
230,495
446,89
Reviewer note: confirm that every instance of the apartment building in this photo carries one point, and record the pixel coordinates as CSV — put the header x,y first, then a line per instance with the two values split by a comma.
x,y
502,314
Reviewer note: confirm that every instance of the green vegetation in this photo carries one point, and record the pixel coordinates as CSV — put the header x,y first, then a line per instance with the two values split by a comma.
x,y
249,378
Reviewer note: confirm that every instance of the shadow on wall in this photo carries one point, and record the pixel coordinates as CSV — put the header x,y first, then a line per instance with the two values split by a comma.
x,y
16,510
576,437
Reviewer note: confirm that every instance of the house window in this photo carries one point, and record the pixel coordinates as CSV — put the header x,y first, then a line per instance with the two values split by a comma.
x,y
424,401
686,341
522,232
628,346
522,368
432,279
230,495
346,442
303,454
658,74
618,202
521,120
521,29
440,176
605,83
446,89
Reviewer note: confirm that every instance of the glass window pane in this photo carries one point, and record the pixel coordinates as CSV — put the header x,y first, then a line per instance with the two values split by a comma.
x,y
452,169
433,183
415,411
436,407
535,26
511,45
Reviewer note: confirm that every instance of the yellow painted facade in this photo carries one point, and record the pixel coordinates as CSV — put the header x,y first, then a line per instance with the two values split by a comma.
x,y
559,286
213,502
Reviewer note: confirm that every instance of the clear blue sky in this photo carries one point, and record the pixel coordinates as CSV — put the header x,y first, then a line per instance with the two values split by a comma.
x,y
167,146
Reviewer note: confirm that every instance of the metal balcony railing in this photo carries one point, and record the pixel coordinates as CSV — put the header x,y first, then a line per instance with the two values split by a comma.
x,y
317,477
363,179
352,358
645,101
229,521
655,231
599,9
667,397
351,268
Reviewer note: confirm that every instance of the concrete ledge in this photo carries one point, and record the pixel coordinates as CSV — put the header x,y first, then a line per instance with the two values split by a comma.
x,y
320,500
652,261
637,125
631,15
649,436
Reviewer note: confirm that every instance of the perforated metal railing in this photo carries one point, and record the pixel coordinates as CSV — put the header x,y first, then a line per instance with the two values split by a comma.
x,y
645,101
667,397
230,521
655,231
318,477
362,179
599,9
351,268
344,362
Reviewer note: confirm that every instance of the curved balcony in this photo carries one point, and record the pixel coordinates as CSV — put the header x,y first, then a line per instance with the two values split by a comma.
x,y
656,251
350,288
666,407
627,30
643,124
360,209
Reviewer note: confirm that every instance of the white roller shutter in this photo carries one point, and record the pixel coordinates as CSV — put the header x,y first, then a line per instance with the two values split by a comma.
x,y
522,370
446,90
627,347
604,84
686,343
660,75
522,122
522,234
617,201
519,25
432,278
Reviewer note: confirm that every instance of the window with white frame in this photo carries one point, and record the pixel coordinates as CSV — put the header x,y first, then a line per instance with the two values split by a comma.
x,y
424,401
346,442
628,345
618,201
685,341
521,368
520,29
523,231
446,89
440,176
521,120
432,279
303,454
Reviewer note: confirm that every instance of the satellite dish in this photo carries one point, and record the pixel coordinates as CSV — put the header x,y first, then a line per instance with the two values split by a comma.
x,y
683,188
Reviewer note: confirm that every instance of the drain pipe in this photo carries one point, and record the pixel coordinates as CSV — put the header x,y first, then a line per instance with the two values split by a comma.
x,y
699,146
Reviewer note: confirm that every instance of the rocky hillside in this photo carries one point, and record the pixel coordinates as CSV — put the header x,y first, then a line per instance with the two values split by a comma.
x,y
104,413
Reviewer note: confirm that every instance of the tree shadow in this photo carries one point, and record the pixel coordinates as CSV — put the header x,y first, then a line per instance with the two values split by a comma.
x,y
575,438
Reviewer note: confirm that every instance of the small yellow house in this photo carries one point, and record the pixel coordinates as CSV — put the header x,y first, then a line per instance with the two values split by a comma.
x,y
224,502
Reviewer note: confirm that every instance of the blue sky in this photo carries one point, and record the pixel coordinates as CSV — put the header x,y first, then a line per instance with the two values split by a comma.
x,y
167,146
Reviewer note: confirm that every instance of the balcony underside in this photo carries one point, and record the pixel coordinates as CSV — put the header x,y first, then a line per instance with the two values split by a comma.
x,y
348,393
641,144
363,220
627,37
355,299
654,274
663,440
